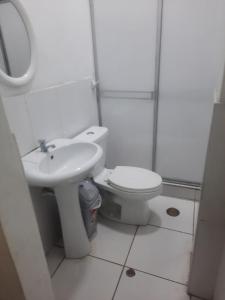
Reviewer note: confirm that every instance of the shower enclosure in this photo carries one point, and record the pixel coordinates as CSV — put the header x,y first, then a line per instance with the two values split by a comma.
x,y
157,65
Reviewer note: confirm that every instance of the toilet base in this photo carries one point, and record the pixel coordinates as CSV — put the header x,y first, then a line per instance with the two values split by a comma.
x,y
131,212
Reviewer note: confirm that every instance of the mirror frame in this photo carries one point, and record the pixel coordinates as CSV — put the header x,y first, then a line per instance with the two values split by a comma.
x,y
10,86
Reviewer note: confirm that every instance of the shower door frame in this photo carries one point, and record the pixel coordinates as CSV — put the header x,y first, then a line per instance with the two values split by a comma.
x,y
150,95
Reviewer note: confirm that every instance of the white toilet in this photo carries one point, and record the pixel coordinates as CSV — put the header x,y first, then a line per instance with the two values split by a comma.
x,y
126,191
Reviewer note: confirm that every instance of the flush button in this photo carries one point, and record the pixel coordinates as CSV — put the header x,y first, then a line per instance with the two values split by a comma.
x,y
90,132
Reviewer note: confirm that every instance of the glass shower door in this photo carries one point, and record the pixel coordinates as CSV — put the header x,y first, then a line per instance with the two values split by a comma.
x,y
125,33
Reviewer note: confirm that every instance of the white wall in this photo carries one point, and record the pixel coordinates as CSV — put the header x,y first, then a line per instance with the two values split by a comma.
x,y
220,284
210,234
18,220
61,102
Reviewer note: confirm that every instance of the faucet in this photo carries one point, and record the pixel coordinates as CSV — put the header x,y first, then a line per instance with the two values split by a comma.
x,y
44,147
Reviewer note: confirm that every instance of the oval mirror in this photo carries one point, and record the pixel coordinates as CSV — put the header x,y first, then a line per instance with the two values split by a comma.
x,y
17,51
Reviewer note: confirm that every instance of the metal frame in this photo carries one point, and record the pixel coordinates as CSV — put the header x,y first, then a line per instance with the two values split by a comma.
x,y
4,52
144,95
95,57
157,81
122,94
182,184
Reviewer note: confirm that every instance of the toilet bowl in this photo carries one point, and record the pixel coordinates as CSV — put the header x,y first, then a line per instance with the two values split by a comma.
x,y
126,191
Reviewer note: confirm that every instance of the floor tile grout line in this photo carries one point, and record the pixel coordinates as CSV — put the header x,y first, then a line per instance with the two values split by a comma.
x,y
132,242
58,265
124,265
170,229
157,276
106,260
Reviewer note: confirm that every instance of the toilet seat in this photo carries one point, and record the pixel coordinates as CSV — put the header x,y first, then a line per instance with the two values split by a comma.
x,y
134,180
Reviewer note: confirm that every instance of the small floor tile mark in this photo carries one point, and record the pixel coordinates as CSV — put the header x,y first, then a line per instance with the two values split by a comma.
x,y
173,212
130,272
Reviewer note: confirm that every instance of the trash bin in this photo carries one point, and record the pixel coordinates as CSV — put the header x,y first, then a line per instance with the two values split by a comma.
x,y
90,202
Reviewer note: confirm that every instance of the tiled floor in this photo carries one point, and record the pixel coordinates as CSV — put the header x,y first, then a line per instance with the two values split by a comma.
x,y
159,253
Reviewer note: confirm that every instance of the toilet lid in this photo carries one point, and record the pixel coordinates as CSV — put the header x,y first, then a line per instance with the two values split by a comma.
x,y
132,179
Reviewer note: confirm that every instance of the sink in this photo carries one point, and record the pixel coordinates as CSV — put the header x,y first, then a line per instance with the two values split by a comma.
x,y
62,169
70,162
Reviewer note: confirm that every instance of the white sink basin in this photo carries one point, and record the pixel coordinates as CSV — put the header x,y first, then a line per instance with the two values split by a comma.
x,y
71,162
62,169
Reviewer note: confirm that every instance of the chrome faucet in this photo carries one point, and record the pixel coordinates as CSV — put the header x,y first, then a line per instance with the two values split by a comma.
x,y
44,148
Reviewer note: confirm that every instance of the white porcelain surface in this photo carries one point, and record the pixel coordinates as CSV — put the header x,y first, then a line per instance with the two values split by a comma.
x,y
54,258
126,44
84,279
112,241
159,216
69,162
161,252
130,138
17,115
190,63
146,287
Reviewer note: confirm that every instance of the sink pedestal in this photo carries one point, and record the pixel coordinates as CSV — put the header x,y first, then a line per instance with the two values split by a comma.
x,y
75,238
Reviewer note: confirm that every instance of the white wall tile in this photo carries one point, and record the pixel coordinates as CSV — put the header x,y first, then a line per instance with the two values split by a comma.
x,y
77,107
63,36
43,109
17,115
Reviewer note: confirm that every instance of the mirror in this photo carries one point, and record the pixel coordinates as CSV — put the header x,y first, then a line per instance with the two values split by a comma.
x,y
15,52
17,48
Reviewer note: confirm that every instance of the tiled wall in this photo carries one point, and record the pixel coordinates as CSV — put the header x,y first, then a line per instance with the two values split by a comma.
x,y
61,102
60,111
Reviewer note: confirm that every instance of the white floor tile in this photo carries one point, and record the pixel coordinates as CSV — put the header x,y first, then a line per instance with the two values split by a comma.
x,y
196,215
113,241
147,287
161,252
84,279
54,258
183,222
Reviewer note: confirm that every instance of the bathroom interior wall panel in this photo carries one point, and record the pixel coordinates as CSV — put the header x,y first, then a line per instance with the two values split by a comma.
x,y
63,36
126,35
130,131
189,74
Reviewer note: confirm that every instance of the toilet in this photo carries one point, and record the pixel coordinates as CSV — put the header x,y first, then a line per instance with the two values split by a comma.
x,y
126,191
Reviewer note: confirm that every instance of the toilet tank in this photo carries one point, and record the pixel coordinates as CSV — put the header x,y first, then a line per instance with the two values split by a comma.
x,y
98,135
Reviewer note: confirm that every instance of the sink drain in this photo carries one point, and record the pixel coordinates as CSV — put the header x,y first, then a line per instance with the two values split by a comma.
x,y
173,212
130,272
